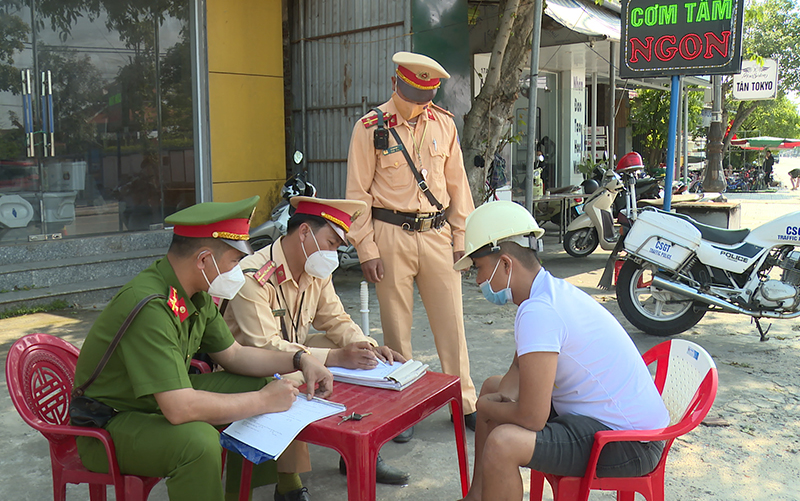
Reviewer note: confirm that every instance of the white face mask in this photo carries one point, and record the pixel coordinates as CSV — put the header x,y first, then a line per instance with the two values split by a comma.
x,y
322,263
227,284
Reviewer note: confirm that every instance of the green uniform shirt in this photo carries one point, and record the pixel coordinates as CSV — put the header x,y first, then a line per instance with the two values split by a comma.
x,y
156,350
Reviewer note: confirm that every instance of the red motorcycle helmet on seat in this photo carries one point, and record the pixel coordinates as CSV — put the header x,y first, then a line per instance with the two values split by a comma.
x,y
629,162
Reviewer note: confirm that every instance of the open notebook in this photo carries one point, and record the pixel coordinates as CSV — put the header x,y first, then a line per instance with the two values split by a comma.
x,y
393,377
265,437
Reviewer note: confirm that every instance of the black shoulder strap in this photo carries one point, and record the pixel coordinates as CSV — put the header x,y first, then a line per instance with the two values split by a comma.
x,y
420,180
80,390
223,306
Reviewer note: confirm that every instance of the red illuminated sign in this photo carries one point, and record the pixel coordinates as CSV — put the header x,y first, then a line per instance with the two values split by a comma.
x,y
691,37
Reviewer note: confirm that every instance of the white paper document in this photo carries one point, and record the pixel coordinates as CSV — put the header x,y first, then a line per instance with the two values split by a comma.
x,y
272,433
395,376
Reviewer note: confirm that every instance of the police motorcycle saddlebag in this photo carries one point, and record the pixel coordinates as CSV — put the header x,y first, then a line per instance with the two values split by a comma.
x,y
660,238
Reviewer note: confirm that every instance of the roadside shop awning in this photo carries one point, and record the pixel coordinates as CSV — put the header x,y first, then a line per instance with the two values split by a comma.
x,y
762,142
582,22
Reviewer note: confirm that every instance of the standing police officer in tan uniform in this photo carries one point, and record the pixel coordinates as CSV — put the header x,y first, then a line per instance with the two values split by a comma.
x,y
415,229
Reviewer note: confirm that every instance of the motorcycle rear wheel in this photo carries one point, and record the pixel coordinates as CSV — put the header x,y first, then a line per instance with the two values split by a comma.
x,y
655,311
582,242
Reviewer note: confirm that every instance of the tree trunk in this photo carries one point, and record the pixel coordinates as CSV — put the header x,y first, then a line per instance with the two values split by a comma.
x,y
746,108
491,111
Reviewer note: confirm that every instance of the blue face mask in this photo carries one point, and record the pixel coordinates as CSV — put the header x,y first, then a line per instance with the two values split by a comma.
x,y
501,297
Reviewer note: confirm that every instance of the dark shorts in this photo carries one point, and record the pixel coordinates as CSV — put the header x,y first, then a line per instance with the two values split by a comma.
x,y
564,445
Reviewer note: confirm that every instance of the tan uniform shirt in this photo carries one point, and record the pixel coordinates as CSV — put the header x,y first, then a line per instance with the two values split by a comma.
x,y
384,179
308,302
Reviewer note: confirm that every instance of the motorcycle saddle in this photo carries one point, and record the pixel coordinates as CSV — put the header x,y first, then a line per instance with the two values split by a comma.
x,y
714,234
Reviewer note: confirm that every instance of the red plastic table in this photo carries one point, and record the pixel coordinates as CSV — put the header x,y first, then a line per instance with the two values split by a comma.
x,y
392,412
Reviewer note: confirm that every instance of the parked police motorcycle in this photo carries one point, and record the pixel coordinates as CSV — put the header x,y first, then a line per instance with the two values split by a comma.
x,y
677,269
596,225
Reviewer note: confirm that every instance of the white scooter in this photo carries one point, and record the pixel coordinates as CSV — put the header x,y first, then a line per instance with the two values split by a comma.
x,y
677,269
596,224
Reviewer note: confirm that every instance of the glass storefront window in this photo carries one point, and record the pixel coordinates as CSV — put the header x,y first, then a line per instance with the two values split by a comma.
x,y
95,116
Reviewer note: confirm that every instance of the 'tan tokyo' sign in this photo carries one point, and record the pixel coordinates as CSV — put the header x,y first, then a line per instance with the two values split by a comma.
x,y
756,81
681,37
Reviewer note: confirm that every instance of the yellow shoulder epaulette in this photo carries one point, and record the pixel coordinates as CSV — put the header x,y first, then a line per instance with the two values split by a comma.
x,y
262,276
372,119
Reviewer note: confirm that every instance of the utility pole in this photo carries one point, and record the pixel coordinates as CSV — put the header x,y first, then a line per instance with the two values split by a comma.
x,y
714,176
536,37
612,107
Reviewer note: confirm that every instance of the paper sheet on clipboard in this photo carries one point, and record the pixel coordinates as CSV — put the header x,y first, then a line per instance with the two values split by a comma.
x,y
264,437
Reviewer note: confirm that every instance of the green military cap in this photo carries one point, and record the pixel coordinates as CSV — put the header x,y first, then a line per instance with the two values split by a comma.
x,y
228,221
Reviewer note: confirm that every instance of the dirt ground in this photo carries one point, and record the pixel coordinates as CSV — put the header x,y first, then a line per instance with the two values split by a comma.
x,y
755,454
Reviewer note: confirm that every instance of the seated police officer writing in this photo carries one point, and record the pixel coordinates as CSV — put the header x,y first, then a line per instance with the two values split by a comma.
x,y
288,291
575,371
165,425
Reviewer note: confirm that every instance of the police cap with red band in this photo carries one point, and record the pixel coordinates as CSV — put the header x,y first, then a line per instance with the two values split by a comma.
x,y
227,221
339,214
418,71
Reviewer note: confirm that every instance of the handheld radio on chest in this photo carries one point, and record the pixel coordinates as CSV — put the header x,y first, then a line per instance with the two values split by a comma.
x,y
380,139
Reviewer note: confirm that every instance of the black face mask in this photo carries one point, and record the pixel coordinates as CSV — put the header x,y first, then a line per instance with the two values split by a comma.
x,y
414,95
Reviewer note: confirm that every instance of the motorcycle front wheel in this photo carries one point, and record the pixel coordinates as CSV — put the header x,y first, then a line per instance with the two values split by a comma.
x,y
581,243
655,311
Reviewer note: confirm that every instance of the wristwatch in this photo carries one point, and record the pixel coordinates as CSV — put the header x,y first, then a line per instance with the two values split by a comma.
x,y
296,359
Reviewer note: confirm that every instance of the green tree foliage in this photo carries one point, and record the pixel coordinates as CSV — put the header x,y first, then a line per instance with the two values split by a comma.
x,y
80,92
771,30
122,16
13,34
176,90
650,121
778,118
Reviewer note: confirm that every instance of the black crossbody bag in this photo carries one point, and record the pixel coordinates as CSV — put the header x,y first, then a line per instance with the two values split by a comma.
x,y
86,411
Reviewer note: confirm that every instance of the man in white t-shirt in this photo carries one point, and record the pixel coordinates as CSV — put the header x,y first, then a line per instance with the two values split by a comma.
x,y
575,371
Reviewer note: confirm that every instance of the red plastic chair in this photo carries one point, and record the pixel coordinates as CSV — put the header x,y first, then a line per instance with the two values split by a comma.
x,y
40,371
686,377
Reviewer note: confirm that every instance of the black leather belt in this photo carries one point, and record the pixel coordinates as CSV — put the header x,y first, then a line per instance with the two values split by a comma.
x,y
411,221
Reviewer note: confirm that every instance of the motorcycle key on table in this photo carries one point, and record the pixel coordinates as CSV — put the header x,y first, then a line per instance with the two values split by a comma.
x,y
677,269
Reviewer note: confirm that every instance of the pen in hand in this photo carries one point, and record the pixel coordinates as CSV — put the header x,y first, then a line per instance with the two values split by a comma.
x,y
277,376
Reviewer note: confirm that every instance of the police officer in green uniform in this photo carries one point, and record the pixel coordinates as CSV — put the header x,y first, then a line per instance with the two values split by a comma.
x,y
166,421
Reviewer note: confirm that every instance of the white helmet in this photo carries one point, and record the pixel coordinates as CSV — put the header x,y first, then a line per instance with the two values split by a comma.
x,y
495,221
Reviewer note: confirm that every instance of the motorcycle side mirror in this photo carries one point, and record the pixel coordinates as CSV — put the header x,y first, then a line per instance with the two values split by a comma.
x,y
297,157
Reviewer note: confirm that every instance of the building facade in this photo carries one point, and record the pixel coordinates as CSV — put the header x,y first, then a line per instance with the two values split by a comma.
x,y
115,114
